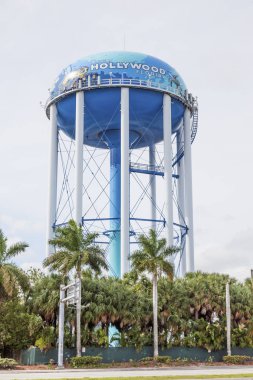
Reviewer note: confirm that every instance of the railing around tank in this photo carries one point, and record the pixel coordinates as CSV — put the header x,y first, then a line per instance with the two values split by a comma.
x,y
97,82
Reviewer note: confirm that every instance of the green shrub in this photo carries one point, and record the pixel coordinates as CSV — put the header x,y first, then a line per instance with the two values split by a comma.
x,y
84,361
163,359
159,359
236,359
147,359
7,363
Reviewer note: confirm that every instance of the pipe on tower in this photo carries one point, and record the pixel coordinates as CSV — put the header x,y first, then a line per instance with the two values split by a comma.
x,y
53,164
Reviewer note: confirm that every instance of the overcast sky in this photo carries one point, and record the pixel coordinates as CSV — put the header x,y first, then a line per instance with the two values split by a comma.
x,y
209,42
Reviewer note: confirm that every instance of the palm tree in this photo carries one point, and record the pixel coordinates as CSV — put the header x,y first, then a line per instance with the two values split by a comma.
x,y
75,251
152,257
12,278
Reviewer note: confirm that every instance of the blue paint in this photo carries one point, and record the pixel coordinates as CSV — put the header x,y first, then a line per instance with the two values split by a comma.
x,y
114,254
102,105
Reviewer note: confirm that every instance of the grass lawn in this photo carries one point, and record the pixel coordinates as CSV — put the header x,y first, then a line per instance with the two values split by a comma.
x,y
232,376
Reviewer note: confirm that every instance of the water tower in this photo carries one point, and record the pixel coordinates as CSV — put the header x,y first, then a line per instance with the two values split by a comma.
x,y
122,125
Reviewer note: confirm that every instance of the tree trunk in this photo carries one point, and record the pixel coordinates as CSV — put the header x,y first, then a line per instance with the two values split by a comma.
x,y
78,320
155,322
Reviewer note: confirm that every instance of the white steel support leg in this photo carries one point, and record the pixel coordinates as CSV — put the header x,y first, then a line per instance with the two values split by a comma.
x,y
181,195
124,199
188,190
52,195
152,179
168,168
79,156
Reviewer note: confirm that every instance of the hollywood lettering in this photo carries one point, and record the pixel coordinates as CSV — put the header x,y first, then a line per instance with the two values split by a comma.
x,y
126,65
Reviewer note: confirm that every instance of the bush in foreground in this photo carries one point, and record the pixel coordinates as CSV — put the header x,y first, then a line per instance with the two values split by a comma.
x,y
236,359
7,363
84,361
158,359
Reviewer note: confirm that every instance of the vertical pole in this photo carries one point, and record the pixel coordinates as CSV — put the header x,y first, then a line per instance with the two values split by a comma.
x,y
52,195
155,315
181,196
228,316
124,201
188,190
61,328
78,317
152,179
79,156
168,168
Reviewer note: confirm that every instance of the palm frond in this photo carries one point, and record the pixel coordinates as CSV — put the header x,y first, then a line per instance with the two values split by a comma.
x,y
15,249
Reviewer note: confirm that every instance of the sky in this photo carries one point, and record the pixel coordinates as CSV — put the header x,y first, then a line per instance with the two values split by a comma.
x,y
209,42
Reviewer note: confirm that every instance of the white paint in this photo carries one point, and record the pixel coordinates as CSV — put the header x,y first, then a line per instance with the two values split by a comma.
x,y
53,163
124,218
152,179
79,156
228,318
188,191
181,196
61,328
168,168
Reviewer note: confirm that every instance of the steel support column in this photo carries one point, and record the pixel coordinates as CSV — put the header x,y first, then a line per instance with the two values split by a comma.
x,y
181,196
188,191
79,132
152,179
168,168
53,164
124,199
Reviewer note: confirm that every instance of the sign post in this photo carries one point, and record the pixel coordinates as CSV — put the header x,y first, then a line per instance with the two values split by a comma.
x,y
73,295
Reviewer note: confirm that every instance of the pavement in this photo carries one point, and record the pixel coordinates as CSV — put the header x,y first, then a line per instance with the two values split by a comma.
x,y
122,372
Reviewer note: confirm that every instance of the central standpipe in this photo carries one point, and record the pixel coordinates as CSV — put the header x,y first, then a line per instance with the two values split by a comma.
x,y
118,142
115,161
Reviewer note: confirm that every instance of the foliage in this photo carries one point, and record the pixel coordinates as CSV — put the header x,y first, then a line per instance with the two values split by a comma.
x,y
75,250
152,257
12,278
18,328
84,361
164,359
147,359
159,359
7,363
43,297
190,310
47,339
236,359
